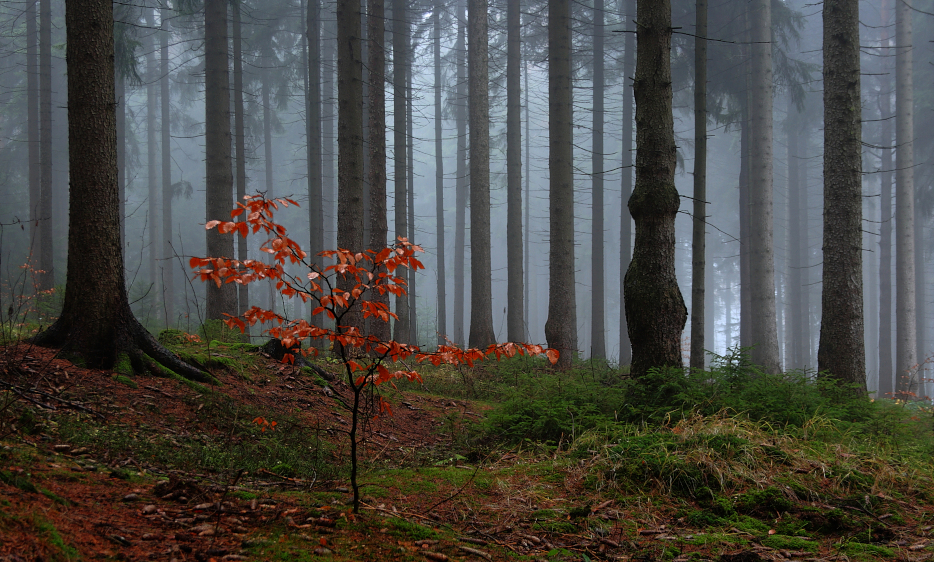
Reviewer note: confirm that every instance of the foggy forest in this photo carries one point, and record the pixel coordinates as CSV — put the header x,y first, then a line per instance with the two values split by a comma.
x,y
465,148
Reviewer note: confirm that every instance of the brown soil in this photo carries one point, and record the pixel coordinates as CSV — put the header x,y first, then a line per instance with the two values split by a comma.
x,y
62,502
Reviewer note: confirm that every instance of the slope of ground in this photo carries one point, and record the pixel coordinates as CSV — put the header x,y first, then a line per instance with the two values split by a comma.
x,y
100,466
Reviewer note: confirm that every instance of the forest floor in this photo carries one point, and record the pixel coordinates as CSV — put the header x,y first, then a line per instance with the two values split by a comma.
x,y
99,466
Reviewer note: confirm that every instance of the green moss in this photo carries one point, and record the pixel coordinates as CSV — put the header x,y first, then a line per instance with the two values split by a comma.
x,y
766,501
123,379
555,527
784,542
172,336
862,551
409,530
243,495
702,539
48,531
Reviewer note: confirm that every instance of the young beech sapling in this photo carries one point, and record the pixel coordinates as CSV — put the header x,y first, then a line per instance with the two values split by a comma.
x,y
364,357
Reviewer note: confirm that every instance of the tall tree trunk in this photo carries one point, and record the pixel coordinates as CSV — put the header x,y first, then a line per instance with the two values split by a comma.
x,y
32,133
410,191
167,269
313,132
761,256
655,309
269,183
528,204
400,40
842,352
481,288
243,296
46,277
439,182
797,223
597,268
462,184
515,318
561,326
153,220
625,231
379,229
350,138
328,133
745,306
920,295
219,180
699,238
120,91
96,323
906,342
886,375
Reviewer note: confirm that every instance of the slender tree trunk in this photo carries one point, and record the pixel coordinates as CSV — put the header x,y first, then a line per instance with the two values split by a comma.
x,y
906,342
410,191
379,228
439,182
350,138
798,316
655,309
597,268
243,296
168,258
528,204
328,134
886,374
761,255
481,289
745,306
699,239
625,236
313,132
842,352
120,91
46,277
561,326
400,39
32,133
515,319
267,153
153,220
219,180
462,181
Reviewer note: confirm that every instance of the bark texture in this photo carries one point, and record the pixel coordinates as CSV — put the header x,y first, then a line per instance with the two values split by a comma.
x,y
379,228
655,310
515,313
597,269
439,182
400,40
842,353
625,234
481,288
218,176
46,276
462,179
243,290
698,235
561,326
167,268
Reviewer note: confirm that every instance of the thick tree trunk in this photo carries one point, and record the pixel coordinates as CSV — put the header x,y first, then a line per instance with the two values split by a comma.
x,y
481,289
219,180
699,237
167,268
243,295
842,352
462,184
561,326
655,309
46,276
379,228
906,358
761,255
96,324
515,313
439,183
597,268
400,41
625,236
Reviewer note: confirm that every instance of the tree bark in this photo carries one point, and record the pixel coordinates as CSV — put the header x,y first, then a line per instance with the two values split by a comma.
x,y
439,182
481,289
462,185
655,310
761,253
167,268
515,313
699,239
842,352
798,316
625,233
906,358
400,40
379,228
410,192
32,133
153,220
269,183
561,326
96,324
597,267
219,180
46,275
243,290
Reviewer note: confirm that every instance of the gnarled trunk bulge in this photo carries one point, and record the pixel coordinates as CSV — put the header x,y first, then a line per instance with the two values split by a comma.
x,y
655,311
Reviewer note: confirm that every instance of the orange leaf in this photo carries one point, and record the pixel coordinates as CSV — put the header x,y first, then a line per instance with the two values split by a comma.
x,y
211,224
552,355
